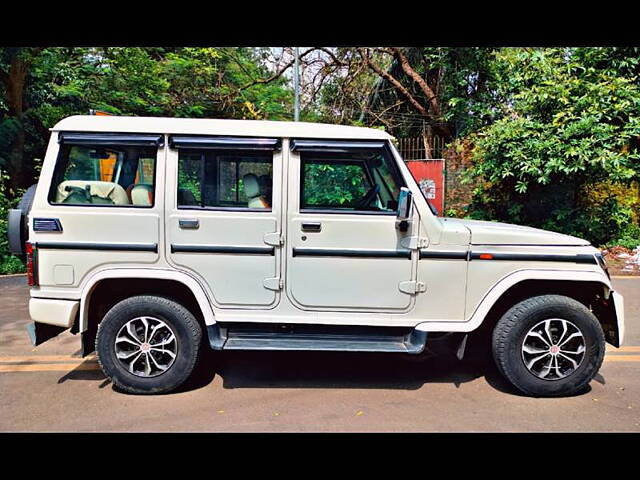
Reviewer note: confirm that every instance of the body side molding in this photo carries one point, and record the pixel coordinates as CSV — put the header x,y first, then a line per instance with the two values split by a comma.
x,y
118,247
335,252
488,255
175,248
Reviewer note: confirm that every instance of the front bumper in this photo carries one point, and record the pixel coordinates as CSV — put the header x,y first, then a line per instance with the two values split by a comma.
x,y
618,304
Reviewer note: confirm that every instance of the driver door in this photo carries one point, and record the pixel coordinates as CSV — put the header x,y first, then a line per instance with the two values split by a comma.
x,y
344,252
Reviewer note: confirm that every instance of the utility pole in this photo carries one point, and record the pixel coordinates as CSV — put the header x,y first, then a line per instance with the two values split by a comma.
x,y
296,87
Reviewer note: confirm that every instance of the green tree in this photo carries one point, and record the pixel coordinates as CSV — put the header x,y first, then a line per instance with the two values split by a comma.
x,y
40,86
568,127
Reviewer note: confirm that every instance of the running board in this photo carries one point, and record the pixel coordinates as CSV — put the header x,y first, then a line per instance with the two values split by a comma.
x,y
316,337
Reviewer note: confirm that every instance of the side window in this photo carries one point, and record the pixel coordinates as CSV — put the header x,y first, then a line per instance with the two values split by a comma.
x,y
104,175
225,179
357,181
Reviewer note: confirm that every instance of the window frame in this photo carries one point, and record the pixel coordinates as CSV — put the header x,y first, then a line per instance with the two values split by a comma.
x,y
384,150
56,177
217,152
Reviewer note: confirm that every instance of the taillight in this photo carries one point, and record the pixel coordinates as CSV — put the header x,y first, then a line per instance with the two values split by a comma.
x,y
32,267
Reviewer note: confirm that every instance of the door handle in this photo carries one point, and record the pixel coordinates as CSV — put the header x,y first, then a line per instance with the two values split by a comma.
x,y
189,224
311,226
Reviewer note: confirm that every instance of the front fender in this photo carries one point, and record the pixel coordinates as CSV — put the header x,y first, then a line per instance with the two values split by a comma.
x,y
505,283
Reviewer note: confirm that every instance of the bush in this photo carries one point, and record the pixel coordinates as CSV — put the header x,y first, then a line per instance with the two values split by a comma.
x,y
565,155
11,264
630,238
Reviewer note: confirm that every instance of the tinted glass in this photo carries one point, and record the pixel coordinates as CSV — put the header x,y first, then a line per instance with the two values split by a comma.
x,y
107,176
360,181
210,179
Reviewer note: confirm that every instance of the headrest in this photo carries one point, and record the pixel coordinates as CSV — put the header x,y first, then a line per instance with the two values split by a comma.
x,y
142,194
251,185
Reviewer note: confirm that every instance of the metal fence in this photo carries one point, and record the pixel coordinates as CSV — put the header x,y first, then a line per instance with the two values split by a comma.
x,y
421,148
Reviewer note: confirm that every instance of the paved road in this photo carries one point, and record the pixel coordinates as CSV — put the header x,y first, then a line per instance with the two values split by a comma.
x,y
50,388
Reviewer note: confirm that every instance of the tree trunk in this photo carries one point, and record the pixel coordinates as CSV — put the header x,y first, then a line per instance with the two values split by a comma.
x,y
15,84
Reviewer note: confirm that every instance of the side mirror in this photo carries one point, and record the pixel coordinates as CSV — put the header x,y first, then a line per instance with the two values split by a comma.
x,y
403,214
405,200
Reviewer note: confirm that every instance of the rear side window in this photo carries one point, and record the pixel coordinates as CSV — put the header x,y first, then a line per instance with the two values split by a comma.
x,y
225,179
119,176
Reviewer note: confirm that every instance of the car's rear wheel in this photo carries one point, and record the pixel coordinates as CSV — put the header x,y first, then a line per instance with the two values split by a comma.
x,y
148,344
548,346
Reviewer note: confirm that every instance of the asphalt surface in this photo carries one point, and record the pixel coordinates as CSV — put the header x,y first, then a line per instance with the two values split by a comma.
x,y
51,389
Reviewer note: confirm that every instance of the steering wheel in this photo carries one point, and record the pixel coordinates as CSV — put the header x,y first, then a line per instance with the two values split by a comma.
x,y
368,198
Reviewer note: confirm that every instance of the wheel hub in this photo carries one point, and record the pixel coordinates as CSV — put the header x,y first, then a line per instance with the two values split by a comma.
x,y
553,349
146,346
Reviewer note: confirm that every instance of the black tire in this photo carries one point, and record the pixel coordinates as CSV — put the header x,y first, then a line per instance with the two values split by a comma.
x,y
181,322
509,336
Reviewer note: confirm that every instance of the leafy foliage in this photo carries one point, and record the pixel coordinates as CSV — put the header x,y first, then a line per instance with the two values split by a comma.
x,y
333,185
555,131
570,122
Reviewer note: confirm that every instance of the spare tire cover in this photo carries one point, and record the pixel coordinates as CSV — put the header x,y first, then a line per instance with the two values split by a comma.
x,y
17,227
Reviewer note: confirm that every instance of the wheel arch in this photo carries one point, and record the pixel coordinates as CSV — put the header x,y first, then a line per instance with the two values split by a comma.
x,y
589,288
514,287
106,288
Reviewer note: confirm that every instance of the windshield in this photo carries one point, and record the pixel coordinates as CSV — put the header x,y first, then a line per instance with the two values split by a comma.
x,y
433,209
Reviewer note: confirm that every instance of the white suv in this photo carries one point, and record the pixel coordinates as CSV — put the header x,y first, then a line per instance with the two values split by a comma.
x,y
154,236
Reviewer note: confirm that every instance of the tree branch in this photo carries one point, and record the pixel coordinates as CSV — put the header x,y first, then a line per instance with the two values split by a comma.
x,y
411,73
278,74
394,81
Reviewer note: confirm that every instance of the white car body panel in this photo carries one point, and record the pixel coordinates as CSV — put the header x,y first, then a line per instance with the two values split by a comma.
x,y
454,292
502,285
60,313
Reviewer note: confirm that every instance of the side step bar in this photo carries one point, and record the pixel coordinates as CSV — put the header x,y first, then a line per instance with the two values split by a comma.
x,y
316,337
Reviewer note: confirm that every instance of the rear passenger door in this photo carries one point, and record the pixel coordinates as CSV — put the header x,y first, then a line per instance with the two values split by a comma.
x,y
100,204
223,216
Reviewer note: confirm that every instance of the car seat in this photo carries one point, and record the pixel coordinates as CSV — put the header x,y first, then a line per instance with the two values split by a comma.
x,y
265,188
140,194
110,191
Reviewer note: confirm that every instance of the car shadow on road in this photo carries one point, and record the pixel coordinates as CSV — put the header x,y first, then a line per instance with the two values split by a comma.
x,y
339,370
278,369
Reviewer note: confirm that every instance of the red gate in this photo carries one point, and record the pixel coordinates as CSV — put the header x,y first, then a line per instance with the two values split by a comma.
x,y
430,177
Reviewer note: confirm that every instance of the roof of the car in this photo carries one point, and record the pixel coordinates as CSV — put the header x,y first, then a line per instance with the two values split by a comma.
x,y
202,126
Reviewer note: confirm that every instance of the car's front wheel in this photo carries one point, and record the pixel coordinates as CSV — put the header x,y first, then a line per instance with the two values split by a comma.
x,y
548,346
148,344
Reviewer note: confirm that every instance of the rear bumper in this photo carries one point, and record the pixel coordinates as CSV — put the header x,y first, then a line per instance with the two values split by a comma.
x,y
61,313
50,318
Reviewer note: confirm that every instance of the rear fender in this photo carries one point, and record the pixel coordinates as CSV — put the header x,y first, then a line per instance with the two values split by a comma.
x,y
157,274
